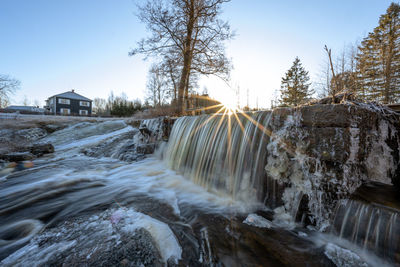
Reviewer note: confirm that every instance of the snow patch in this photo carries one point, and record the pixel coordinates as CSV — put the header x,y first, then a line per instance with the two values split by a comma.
x,y
162,235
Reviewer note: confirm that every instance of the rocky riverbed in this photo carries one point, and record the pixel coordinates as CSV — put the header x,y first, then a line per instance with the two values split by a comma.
x,y
122,192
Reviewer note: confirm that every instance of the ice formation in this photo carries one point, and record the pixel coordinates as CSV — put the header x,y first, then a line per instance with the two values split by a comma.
x,y
257,221
100,235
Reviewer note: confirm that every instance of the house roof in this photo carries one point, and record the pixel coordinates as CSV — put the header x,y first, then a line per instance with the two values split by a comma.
x,y
72,95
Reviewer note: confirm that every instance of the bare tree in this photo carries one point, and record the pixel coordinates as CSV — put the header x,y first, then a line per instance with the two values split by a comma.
x,y
193,30
156,86
323,80
171,68
345,69
8,86
100,106
333,91
26,101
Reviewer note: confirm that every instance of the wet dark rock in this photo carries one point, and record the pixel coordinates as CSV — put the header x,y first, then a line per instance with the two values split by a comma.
x,y
144,130
156,130
51,128
229,242
327,143
134,123
335,147
17,156
145,149
133,250
378,194
370,218
41,149
24,153
136,144
31,134
120,147
12,139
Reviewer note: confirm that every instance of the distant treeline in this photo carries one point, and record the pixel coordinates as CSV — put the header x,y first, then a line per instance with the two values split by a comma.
x,y
370,70
120,106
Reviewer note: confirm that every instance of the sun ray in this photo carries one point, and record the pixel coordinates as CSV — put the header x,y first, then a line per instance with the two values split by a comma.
x,y
215,135
206,121
229,141
241,127
207,108
284,145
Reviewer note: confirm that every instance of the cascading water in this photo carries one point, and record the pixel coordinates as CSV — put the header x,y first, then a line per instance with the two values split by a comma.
x,y
285,158
222,153
304,159
371,219
375,228
73,208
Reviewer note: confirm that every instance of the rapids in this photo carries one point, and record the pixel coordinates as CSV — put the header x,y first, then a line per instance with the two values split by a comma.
x,y
204,198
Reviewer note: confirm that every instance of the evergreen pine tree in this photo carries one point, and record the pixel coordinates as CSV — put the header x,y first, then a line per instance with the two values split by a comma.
x,y
295,85
379,60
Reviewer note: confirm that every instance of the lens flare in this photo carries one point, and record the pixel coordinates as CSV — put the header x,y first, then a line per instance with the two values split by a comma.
x,y
229,105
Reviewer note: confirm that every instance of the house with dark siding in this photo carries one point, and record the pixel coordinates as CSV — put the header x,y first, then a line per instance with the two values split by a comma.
x,y
69,103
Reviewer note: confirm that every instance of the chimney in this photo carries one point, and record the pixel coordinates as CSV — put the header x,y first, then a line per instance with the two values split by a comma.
x,y
73,91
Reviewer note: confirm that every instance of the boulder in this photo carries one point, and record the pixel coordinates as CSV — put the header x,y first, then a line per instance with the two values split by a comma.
x,y
145,149
31,134
41,149
144,130
323,153
51,128
17,156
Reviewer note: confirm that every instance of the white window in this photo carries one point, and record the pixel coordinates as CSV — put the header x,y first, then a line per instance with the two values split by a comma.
x,y
63,101
51,101
83,112
65,111
84,103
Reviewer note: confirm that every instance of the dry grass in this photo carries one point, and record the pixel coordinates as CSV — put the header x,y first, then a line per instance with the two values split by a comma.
x,y
167,110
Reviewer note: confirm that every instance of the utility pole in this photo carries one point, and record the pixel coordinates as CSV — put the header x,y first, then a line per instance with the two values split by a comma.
x,y
248,97
237,91
257,103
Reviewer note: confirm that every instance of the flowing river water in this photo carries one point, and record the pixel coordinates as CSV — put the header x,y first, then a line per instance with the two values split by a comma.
x,y
188,204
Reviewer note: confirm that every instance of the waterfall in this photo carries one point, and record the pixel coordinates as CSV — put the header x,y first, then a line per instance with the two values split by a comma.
x,y
224,153
371,219
372,227
300,160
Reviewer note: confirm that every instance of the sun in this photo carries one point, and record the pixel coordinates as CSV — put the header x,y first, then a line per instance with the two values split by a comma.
x,y
229,104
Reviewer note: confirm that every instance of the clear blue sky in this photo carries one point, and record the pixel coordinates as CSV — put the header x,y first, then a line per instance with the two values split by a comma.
x,y
53,46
